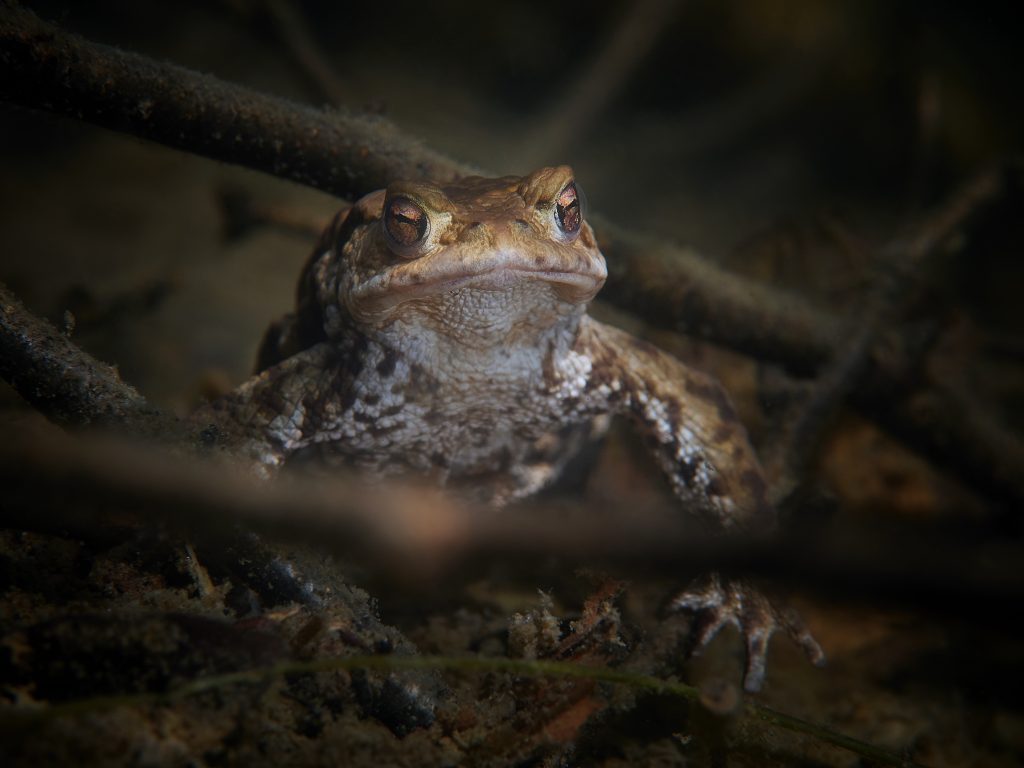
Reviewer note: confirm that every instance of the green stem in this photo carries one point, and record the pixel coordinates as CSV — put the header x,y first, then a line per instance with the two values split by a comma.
x,y
19,719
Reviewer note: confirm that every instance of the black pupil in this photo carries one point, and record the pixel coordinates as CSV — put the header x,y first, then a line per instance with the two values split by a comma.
x,y
567,207
406,222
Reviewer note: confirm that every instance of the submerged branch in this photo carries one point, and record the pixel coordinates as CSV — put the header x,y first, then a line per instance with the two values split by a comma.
x,y
677,288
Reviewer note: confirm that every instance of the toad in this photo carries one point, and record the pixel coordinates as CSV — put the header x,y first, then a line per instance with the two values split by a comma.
x,y
442,330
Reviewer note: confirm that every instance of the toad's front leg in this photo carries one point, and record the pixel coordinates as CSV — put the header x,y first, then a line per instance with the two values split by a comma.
x,y
307,398
703,449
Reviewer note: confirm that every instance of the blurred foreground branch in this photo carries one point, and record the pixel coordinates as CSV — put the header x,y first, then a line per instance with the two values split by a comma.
x,y
412,534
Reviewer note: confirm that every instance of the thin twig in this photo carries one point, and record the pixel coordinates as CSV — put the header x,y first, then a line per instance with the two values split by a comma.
x,y
291,27
590,92
905,270
288,24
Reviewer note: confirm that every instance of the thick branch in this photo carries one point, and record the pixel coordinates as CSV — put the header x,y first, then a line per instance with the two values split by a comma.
x,y
64,383
337,151
677,288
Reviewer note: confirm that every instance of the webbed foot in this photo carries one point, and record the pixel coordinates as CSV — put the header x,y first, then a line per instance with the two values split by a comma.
x,y
717,602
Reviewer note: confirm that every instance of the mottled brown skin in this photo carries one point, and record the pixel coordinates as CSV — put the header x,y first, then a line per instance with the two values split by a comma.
x,y
442,331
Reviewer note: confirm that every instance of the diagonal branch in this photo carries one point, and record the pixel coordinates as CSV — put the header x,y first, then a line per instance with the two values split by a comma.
x,y
341,152
64,383
898,285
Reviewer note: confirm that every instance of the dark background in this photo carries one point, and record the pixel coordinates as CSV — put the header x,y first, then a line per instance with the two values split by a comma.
x,y
785,140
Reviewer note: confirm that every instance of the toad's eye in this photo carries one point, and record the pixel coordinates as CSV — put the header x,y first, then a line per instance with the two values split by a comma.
x,y
568,211
405,222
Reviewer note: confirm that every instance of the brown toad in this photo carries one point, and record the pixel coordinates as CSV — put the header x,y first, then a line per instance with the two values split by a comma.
x,y
443,330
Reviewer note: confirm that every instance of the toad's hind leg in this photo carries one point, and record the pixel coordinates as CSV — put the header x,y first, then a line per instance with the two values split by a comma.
x,y
716,602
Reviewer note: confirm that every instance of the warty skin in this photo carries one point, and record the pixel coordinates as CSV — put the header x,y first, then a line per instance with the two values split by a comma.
x,y
442,331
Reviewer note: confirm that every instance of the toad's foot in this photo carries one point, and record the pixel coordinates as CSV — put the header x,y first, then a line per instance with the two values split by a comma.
x,y
717,602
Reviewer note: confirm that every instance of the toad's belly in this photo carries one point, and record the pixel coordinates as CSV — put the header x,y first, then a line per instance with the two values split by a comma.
x,y
490,454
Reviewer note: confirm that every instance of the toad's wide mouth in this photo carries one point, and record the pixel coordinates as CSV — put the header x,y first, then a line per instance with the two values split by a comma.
x,y
418,280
